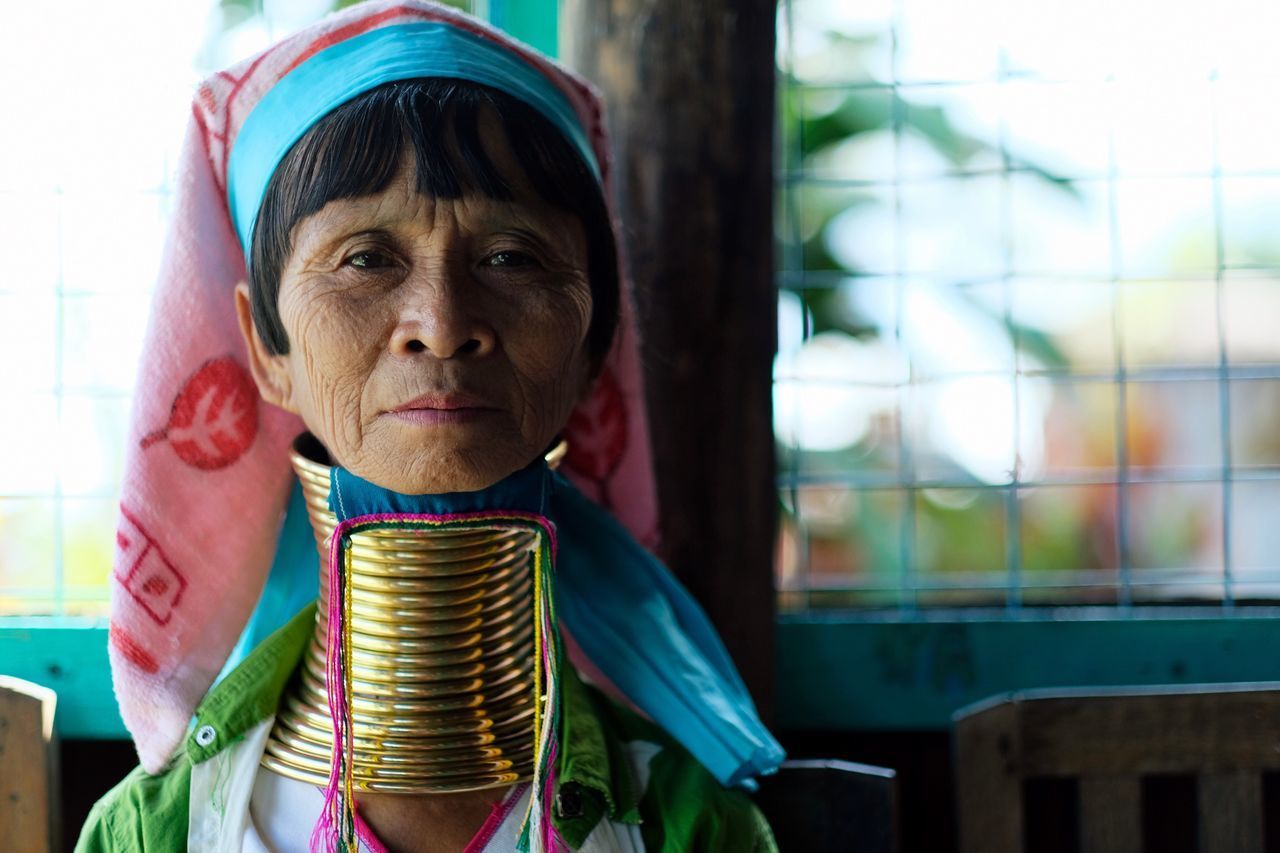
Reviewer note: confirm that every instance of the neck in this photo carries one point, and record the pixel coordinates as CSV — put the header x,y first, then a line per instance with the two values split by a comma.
x,y
436,613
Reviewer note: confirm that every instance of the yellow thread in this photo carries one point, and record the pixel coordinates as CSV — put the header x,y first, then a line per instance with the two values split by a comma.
x,y
537,644
537,690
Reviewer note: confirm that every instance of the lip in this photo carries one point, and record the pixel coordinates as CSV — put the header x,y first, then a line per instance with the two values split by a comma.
x,y
438,408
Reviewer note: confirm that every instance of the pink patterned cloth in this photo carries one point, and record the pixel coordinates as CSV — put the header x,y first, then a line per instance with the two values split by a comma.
x,y
206,470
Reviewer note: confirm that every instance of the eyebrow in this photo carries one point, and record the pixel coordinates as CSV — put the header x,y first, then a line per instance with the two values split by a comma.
x,y
361,215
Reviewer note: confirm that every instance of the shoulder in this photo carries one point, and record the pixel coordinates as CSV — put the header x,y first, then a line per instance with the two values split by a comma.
x,y
682,807
144,812
147,812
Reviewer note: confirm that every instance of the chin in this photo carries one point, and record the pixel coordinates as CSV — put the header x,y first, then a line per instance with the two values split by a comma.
x,y
439,471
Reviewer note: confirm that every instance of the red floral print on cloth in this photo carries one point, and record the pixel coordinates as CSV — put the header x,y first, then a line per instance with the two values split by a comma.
x,y
132,650
597,434
214,417
145,572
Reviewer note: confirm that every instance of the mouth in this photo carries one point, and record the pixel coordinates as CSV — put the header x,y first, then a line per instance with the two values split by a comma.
x,y
450,408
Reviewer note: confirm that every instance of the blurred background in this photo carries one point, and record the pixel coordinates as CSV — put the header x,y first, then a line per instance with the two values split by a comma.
x,y
1028,298
1028,303
90,144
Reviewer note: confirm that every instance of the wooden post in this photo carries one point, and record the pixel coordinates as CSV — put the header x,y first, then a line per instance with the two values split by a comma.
x,y
1231,816
689,89
1110,814
989,771
29,813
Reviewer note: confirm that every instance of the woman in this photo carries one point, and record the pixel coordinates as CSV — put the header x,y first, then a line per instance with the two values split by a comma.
x,y
431,291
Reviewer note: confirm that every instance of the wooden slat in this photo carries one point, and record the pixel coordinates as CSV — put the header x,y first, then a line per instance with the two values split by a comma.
x,y
1151,732
1110,814
28,767
689,88
1224,735
1231,813
989,781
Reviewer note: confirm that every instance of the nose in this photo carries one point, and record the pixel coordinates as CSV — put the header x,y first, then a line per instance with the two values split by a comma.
x,y
437,318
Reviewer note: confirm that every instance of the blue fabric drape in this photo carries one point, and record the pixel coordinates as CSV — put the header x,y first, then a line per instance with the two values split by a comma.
x,y
630,616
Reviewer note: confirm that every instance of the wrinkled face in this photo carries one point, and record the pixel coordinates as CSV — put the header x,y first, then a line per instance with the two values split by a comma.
x,y
435,345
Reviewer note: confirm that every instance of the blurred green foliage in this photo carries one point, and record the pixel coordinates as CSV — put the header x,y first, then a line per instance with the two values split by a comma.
x,y
864,538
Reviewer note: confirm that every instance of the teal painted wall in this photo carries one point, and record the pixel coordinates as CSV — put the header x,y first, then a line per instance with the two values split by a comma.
x,y
70,658
847,673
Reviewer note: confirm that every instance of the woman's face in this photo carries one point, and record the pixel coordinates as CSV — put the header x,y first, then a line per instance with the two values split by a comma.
x,y
435,345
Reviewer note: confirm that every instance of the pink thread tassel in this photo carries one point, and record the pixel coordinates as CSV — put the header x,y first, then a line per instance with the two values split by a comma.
x,y
335,830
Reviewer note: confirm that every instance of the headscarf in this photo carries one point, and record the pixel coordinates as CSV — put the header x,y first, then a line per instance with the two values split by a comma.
x,y
207,478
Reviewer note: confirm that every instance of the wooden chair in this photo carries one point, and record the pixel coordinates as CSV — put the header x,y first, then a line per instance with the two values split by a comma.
x,y
29,819
817,806
1226,736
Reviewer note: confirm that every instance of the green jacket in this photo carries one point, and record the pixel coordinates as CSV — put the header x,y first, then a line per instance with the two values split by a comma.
x,y
633,783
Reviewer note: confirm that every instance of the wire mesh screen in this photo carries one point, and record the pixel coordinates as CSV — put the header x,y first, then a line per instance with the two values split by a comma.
x,y
1029,304
83,196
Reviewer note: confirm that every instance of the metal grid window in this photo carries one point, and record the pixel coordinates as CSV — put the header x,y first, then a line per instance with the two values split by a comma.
x,y
83,198
1029,305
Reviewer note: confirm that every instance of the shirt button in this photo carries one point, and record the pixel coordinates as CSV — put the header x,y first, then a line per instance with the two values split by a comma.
x,y
569,802
205,735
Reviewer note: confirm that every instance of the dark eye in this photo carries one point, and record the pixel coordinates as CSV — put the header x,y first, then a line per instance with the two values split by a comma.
x,y
370,260
509,260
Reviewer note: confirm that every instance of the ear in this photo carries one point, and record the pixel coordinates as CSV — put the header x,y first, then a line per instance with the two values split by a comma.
x,y
270,371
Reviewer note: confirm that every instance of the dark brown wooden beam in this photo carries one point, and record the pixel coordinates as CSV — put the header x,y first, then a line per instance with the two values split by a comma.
x,y
689,88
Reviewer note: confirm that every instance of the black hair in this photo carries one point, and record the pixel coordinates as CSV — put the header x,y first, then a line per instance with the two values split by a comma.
x,y
357,148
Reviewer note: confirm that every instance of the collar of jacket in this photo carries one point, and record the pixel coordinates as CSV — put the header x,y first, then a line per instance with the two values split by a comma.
x,y
595,778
